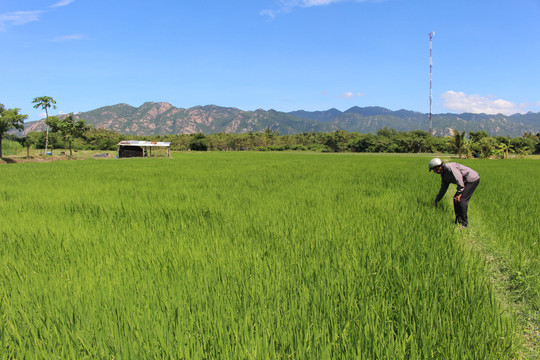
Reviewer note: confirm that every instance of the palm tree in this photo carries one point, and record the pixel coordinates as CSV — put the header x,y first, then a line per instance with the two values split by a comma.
x,y
486,147
504,149
457,141
45,102
523,151
468,147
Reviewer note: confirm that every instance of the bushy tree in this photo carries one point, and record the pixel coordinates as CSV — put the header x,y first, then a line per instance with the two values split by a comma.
x,y
102,139
70,129
217,142
419,141
199,142
26,142
10,119
336,141
270,134
362,143
387,132
528,141
476,136
180,142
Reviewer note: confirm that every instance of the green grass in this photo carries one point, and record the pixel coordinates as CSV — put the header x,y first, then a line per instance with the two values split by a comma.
x,y
10,147
245,255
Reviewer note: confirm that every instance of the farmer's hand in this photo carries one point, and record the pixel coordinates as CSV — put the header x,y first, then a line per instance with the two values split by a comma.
x,y
457,198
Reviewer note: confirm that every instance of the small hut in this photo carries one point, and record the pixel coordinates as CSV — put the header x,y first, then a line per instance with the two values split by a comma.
x,y
135,148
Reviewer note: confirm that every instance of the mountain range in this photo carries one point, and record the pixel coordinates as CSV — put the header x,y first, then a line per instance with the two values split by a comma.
x,y
162,118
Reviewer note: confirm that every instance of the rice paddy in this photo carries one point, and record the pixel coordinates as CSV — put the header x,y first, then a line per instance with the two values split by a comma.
x,y
259,256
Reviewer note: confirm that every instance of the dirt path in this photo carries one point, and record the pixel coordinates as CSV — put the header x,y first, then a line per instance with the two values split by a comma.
x,y
18,160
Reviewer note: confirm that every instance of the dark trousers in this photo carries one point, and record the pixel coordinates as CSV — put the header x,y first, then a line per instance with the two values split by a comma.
x,y
460,208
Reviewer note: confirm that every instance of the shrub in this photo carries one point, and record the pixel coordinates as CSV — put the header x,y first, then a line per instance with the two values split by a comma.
x,y
10,147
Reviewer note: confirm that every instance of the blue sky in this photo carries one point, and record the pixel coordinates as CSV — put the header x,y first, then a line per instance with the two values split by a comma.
x,y
271,54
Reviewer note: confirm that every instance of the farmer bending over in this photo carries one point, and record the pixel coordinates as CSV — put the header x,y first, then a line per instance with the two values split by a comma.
x,y
466,180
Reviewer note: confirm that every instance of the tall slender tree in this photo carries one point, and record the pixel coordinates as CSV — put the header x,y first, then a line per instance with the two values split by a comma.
x,y
45,102
10,119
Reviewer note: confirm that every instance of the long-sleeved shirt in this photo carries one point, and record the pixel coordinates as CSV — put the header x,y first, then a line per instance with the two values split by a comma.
x,y
454,173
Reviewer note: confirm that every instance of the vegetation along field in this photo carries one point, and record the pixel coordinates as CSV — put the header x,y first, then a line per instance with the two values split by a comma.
x,y
254,255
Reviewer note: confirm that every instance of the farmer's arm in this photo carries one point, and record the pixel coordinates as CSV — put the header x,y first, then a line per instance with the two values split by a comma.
x,y
442,191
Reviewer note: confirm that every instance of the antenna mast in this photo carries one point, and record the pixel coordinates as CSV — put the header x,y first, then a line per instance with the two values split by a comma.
x,y
430,87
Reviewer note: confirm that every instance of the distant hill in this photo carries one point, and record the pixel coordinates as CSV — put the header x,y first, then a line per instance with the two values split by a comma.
x,y
163,119
370,119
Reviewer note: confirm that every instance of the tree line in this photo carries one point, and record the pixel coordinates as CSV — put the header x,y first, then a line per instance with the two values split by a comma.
x,y
75,134
386,140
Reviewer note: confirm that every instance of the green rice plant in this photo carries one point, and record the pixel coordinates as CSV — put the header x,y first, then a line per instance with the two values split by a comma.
x,y
241,255
508,214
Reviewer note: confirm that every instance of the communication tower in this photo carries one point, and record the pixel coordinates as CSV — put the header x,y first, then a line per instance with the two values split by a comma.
x,y
431,34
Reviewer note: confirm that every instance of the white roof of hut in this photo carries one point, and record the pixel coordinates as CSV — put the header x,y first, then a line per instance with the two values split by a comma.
x,y
144,143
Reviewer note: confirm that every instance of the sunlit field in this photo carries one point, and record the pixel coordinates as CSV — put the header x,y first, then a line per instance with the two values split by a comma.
x,y
262,256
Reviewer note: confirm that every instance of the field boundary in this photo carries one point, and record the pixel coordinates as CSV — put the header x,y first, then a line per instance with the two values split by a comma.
x,y
479,240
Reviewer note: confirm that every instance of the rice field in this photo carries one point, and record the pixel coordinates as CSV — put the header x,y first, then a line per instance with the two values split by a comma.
x,y
260,256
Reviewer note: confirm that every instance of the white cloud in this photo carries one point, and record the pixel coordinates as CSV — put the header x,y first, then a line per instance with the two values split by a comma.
x,y
25,17
284,6
18,18
459,101
68,38
269,13
350,95
308,3
43,115
61,3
